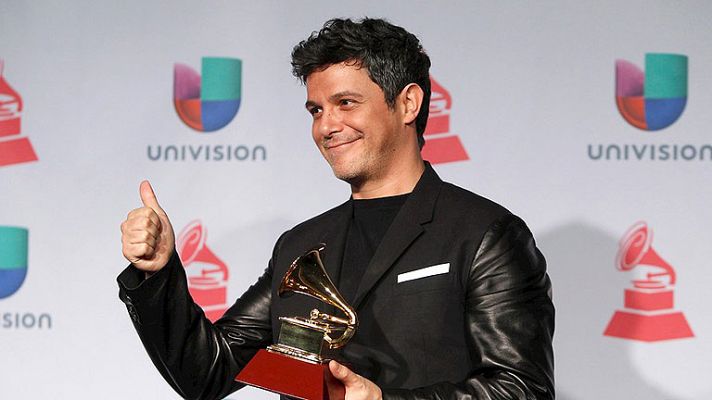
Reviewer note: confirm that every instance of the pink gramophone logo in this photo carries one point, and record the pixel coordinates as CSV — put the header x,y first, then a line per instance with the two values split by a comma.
x,y
441,146
207,274
648,313
13,149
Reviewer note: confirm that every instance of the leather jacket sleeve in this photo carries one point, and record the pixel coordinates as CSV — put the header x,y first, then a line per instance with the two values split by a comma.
x,y
197,358
510,322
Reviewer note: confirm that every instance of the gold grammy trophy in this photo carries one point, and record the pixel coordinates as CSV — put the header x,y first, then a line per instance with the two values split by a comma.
x,y
297,365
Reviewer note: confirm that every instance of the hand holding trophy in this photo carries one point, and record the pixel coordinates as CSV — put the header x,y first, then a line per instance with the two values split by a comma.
x,y
296,365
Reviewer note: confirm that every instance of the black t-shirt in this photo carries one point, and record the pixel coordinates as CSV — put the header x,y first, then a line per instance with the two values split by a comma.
x,y
369,223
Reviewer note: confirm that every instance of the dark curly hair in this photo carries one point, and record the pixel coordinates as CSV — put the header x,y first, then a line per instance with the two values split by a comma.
x,y
392,56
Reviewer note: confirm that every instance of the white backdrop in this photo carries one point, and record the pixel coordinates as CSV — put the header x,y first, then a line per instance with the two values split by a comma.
x,y
532,86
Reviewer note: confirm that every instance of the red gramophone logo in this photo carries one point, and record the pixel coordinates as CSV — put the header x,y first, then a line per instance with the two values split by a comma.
x,y
441,146
13,150
207,274
648,313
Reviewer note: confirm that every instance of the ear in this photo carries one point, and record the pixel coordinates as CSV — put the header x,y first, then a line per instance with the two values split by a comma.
x,y
411,98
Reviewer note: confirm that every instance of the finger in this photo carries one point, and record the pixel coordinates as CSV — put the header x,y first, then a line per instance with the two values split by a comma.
x,y
142,212
148,197
342,373
139,251
151,237
138,230
138,237
143,218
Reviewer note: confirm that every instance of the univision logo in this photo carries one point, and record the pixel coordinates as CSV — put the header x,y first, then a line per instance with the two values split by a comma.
x,y
207,103
13,270
654,99
13,259
651,100
210,102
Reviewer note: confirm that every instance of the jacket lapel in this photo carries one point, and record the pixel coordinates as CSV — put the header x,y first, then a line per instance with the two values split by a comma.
x,y
406,227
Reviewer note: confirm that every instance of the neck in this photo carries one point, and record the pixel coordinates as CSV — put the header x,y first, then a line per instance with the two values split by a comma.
x,y
399,179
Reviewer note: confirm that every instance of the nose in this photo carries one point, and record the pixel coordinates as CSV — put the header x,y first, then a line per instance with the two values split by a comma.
x,y
329,123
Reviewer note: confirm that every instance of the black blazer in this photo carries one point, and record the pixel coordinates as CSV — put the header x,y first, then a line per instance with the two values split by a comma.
x,y
481,327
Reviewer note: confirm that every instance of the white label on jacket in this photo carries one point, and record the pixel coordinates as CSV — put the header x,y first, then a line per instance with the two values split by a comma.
x,y
424,272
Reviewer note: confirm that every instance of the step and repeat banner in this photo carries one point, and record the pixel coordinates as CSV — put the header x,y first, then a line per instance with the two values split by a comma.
x,y
591,120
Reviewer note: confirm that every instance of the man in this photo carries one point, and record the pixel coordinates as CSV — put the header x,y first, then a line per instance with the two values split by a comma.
x,y
451,292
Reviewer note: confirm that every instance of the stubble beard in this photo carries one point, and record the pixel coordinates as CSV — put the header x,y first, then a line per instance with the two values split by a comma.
x,y
354,172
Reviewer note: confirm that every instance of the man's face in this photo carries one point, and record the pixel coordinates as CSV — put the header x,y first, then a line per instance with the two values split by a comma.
x,y
353,127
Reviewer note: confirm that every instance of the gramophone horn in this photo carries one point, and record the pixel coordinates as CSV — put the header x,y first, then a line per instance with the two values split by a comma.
x,y
308,276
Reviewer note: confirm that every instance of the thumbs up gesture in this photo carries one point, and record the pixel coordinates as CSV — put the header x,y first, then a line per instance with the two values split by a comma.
x,y
147,236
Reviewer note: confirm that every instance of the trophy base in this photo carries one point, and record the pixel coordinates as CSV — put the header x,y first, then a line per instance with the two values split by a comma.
x,y
291,377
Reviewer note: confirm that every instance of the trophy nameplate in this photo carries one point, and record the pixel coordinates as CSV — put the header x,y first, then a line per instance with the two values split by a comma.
x,y
297,365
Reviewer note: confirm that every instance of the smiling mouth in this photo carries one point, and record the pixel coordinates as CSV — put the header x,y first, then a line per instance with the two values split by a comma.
x,y
334,145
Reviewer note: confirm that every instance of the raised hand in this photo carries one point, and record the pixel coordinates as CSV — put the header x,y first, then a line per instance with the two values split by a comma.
x,y
147,237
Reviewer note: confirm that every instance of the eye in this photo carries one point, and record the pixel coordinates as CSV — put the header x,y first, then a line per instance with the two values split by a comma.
x,y
346,102
314,110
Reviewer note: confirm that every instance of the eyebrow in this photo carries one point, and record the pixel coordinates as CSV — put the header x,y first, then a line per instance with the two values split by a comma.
x,y
334,97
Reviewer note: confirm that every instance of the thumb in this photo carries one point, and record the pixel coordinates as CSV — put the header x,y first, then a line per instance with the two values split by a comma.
x,y
148,197
342,373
